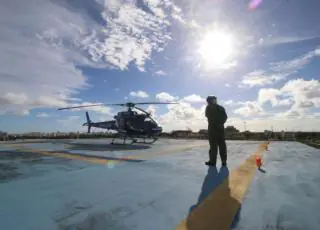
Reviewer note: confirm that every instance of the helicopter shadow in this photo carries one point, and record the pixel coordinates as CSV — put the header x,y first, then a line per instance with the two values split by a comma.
x,y
226,203
106,147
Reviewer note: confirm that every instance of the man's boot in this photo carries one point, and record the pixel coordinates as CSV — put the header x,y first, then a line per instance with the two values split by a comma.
x,y
211,162
223,151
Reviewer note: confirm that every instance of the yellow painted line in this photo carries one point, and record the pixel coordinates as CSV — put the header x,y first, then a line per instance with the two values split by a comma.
x,y
66,155
217,211
142,156
76,157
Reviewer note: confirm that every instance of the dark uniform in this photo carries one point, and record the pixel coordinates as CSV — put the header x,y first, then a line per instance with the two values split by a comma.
x,y
217,116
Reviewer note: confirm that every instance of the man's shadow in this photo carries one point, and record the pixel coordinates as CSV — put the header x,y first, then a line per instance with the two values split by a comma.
x,y
224,201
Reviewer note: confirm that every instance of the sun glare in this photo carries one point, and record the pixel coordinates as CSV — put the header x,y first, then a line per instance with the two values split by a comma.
x,y
215,48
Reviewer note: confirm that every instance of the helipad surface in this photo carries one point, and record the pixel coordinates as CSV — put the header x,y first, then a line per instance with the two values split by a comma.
x,y
89,184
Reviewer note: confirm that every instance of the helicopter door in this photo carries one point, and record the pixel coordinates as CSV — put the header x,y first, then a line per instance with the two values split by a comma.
x,y
122,123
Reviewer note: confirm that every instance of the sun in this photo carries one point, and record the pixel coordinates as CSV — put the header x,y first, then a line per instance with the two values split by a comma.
x,y
216,47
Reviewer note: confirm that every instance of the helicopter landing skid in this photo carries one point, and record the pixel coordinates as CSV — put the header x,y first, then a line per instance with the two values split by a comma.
x,y
146,140
124,141
132,140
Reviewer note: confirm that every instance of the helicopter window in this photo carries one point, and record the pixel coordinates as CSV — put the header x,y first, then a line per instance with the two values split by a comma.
x,y
150,121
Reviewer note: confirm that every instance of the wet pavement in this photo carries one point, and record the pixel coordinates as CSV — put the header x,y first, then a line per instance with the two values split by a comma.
x,y
90,184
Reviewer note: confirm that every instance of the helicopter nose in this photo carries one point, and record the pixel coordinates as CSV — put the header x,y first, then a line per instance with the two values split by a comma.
x,y
157,129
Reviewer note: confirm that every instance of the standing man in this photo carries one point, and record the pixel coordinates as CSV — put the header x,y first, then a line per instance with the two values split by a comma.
x,y
216,116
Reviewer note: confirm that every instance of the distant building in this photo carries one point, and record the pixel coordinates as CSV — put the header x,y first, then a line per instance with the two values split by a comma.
x,y
290,136
33,134
181,133
203,131
61,134
3,135
231,130
164,134
268,133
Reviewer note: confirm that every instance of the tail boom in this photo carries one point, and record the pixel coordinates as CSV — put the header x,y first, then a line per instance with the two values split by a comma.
x,y
102,125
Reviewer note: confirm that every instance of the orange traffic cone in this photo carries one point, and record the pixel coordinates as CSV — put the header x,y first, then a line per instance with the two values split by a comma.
x,y
258,161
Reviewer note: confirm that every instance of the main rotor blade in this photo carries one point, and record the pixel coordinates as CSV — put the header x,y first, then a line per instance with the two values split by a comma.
x,y
120,104
80,106
157,103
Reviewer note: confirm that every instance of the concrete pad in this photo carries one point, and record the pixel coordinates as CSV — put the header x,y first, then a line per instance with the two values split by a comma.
x,y
287,195
157,193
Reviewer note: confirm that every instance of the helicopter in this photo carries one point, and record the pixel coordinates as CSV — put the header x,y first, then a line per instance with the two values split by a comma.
x,y
129,124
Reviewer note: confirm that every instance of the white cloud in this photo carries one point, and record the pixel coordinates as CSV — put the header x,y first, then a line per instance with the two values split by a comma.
x,y
40,54
152,109
48,102
193,98
299,113
260,78
299,95
30,65
250,109
71,124
228,102
19,103
271,40
22,112
130,34
139,93
274,96
278,123
294,64
183,116
285,102
13,98
304,94
189,24
69,118
266,95
42,115
166,97
278,71
160,73
229,65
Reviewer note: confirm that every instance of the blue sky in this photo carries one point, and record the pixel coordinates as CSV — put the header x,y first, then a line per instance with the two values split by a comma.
x,y
260,58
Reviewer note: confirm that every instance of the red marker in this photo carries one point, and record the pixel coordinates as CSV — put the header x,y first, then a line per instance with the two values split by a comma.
x,y
258,162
